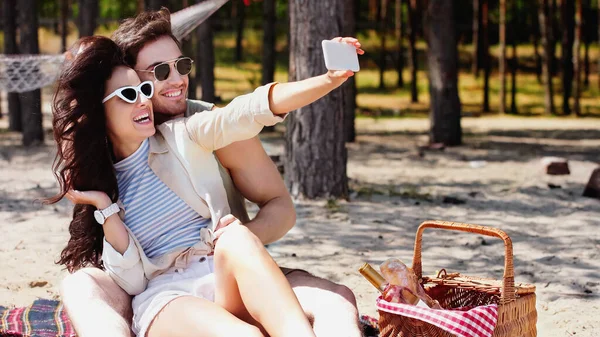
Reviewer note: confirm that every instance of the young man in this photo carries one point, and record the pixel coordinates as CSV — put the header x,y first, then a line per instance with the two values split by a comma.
x,y
96,305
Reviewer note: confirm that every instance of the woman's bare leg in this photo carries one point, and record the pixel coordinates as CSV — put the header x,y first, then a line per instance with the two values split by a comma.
x,y
249,283
192,316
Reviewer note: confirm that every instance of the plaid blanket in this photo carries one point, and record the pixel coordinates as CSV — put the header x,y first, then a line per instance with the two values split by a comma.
x,y
369,326
44,318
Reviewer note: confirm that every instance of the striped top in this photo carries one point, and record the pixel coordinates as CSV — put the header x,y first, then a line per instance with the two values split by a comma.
x,y
158,218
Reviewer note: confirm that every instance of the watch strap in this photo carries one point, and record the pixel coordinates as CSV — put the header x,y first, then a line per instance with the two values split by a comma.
x,y
110,210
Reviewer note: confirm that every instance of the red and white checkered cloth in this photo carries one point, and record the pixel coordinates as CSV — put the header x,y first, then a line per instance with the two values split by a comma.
x,y
463,322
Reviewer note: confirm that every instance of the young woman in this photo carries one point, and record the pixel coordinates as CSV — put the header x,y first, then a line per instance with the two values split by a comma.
x,y
151,207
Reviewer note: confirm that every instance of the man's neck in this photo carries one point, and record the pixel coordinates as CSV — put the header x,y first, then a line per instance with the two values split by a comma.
x,y
160,118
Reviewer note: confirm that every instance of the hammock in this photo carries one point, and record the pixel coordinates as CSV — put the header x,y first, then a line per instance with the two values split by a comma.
x,y
22,73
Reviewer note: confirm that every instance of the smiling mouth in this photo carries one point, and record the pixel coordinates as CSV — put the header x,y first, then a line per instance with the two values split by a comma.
x,y
142,119
173,94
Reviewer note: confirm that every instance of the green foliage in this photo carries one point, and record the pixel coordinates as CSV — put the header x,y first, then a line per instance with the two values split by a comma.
x,y
524,16
237,78
48,8
117,10
108,9
253,77
332,205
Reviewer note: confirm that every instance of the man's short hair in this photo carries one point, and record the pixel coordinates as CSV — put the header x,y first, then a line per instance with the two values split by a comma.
x,y
133,33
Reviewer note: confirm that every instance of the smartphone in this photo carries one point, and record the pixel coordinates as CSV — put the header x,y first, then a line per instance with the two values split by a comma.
x,y
340,56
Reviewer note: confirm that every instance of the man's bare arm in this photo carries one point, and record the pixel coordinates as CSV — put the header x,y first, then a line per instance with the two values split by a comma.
x,y
258,180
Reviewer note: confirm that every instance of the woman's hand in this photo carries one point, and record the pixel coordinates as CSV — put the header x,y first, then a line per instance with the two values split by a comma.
x,y
114,229
98,199
345,74
225,223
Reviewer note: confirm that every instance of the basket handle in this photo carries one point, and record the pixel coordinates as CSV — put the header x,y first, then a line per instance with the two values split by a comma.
x,y
508,293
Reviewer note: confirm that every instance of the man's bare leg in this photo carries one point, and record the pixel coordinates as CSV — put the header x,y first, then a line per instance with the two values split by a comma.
x,y
96,305
330,307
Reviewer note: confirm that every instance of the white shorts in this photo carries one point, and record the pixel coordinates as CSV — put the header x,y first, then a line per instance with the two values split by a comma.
x,y
195,280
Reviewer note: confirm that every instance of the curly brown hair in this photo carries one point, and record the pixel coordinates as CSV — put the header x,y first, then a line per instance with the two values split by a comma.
x,y
84,159
134,33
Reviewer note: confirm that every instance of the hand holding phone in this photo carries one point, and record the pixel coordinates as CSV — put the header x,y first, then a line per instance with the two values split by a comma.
x,y
341,54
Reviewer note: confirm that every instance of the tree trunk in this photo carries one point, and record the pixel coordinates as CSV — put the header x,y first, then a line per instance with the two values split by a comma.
x,y
502,57
535,26
315,166
545,31
206,61
399,37
576,59
586,29
141,6
268,60
88,14
373,11
383,32
189,46
64,21
476,40
350,92
268,57
3,28
31,105
586,63
349,88
553,35
486,54
9,14
188,49
154,5
567,12
514,60
239,37
412,51
442,60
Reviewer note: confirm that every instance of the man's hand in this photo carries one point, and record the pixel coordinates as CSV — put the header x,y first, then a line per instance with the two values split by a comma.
x,y
343,75
286,97
98,199
256,177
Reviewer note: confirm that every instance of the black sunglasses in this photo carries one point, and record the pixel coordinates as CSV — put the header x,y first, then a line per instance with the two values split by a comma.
x,y
161,71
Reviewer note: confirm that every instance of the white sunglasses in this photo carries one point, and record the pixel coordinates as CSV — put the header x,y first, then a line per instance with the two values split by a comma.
x,y
130,93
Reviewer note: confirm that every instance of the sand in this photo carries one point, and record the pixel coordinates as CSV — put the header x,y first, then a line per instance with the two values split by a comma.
x,y
495,179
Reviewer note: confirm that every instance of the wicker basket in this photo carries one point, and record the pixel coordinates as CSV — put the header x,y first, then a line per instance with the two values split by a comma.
x,y
517,315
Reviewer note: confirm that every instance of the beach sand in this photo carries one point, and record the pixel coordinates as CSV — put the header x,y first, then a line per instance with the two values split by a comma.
x,y
495,179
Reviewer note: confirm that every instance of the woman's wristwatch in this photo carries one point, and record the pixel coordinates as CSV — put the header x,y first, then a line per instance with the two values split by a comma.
x,y
102,214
